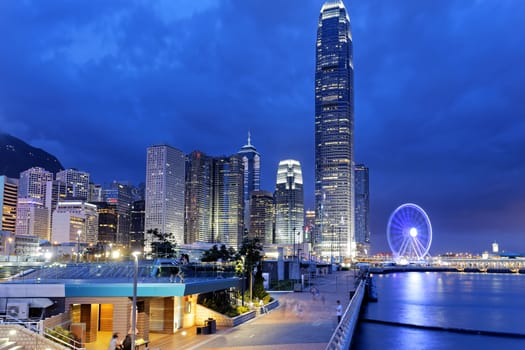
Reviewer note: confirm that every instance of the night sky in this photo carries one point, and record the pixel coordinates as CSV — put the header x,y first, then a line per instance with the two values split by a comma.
x,y
439,91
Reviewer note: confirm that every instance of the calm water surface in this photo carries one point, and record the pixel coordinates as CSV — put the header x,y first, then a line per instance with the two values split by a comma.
x,y
473,301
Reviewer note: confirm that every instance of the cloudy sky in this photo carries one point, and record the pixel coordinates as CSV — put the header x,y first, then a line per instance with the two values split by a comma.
x,y
440,98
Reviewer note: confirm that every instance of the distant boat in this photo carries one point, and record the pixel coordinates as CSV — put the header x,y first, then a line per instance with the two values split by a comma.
x,y
483,269
515,270
460,268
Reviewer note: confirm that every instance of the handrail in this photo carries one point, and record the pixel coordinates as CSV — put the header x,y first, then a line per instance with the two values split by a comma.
x,y
342,336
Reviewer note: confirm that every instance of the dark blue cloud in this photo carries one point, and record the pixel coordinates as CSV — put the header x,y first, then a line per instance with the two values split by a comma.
x,y
439,111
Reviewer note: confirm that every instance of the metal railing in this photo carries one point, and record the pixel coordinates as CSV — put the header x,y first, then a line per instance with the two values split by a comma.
x,y
342,336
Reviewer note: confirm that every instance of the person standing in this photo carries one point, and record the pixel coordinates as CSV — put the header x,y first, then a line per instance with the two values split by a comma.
x,y
126,344
339,311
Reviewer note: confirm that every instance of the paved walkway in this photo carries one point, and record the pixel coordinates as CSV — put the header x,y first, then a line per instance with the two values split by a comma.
x,y
302,321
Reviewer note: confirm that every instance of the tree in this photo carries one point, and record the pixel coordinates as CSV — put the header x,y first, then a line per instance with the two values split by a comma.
x,y
251,249
215,254
162,246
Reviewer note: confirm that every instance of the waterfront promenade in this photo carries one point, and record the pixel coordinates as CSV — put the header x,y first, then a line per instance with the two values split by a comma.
x,y
302,321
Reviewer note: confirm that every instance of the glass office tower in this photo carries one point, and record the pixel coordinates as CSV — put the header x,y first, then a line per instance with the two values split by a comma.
x,y
289,203
334,134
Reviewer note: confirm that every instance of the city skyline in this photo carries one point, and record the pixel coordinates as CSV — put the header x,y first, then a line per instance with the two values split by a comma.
x,y
437,116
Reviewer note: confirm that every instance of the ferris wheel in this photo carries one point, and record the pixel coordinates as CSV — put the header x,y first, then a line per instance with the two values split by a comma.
x,y
409,232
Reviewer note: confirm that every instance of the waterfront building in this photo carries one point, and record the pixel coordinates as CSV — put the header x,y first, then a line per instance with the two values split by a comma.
x,y
228,201
136,232
362,210
199,198
75,221
120,195
261,216
334,133
165,186
77,183
8,199
32,218
289,203
251,163
32,183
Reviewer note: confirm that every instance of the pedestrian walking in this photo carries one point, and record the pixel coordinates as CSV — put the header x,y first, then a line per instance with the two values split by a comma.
x,y
339,311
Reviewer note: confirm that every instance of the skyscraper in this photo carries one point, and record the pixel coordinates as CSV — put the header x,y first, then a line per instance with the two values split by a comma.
x,y
289,203
334,133
33,182
120,195
199,198
261,216
362,210
165,180
251,163
228,201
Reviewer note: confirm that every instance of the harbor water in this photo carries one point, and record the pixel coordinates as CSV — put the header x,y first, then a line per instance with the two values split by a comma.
x,y
444,310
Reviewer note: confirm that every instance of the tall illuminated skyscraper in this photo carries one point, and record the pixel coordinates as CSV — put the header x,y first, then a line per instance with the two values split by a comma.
x,y
289,203
228,201
334,133
165,172
251,163
199,198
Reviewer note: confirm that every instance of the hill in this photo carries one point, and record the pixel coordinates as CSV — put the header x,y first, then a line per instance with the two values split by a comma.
x,y
17,156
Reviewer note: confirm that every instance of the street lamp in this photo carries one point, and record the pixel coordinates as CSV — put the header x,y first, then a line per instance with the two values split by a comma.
x,y
79,232
134,308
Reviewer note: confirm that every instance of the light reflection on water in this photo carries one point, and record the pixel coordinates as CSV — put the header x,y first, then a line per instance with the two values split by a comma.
x,y
490,302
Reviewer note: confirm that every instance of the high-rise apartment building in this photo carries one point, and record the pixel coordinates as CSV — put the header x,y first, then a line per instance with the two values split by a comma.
x,y
165,186
228,201
251,163
362,210
261,216
334,133
77,183
289,203
8,199
199,198
32,183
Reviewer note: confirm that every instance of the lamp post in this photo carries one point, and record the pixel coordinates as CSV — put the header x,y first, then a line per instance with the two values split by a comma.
x,y
242,283
293,254
79,232
134,306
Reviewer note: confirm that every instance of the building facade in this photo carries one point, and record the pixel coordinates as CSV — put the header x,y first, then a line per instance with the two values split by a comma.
x,y
251,163
136,233
228,201
362,210
32,183
261,216
165,186
32,218
334,133
8,199
75,221
120,195
77,183
199,198
289,203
